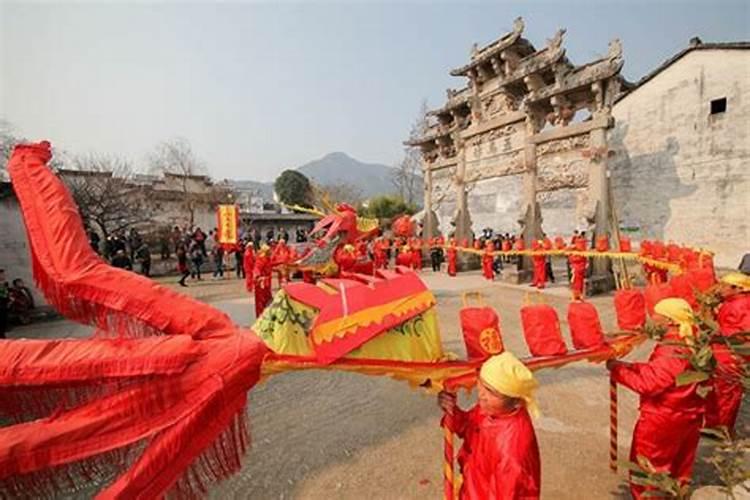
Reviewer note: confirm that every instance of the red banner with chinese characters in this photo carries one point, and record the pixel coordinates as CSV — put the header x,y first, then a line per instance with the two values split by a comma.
x,y
227,226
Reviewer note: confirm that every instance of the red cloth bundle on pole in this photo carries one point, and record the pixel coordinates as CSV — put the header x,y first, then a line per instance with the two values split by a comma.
x,y
630,307
520,245
480,326
657,250
541,329
559,243
656,292
683,288
602,243
673,253
625,244
702,278
585,327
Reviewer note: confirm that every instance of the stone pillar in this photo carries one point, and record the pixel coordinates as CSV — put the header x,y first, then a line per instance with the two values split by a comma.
x,y
530,219
463,217
602,279
429,223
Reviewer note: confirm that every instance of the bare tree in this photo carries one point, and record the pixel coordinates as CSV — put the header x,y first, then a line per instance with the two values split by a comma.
x,y
107,198
176,158
8,141
337,193
407,175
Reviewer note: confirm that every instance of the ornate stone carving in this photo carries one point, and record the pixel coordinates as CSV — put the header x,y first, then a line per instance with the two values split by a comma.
x,y
499,103
554,43
578,142
555,175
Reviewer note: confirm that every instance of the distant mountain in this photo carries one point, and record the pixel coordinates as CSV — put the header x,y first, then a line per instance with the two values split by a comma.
x,y
339,168
372,179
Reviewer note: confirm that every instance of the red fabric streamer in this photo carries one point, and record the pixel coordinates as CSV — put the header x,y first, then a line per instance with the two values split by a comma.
x,y
154,406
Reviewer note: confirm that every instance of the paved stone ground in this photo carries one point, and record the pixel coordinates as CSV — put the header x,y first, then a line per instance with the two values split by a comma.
x,y
332,435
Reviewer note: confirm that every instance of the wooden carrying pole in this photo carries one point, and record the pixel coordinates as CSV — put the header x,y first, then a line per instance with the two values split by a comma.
x,y
447,462
612,424
624,280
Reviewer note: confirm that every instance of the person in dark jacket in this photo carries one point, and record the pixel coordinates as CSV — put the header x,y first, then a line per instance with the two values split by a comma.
x,y
122,261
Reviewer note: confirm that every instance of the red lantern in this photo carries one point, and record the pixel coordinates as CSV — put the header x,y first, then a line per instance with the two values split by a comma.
x,y
480,326
602,243
630,306
585,327
541,329
625,245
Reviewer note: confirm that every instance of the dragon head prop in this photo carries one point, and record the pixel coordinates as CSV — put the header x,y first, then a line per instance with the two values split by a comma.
x,y
341,226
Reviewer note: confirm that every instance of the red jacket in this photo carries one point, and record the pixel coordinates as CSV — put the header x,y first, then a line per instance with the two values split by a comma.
x,y
499,458
734,314
655,381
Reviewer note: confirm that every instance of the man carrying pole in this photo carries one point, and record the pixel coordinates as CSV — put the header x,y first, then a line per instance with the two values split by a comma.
x,y
668,427
500,456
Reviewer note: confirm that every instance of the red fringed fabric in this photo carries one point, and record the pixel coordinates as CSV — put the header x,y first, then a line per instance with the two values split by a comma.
x,y
168,411
80,284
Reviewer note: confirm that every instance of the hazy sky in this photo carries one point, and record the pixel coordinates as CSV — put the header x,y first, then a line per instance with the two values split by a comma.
x,y
259,87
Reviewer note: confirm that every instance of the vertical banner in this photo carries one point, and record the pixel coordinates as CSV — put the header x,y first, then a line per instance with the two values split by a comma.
x,y
228,216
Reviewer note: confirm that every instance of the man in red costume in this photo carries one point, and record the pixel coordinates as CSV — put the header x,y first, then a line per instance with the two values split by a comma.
x,y
262,271
578,265
668,427
499,458
452,253
346,258
379,254
280,259
248,264
540,265
723,402
416,254
404,257
487,259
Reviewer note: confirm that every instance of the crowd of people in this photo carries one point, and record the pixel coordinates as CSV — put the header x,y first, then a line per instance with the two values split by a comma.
x,y
193,248
16,303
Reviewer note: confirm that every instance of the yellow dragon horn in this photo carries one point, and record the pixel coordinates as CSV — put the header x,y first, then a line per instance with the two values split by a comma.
x,y
313,211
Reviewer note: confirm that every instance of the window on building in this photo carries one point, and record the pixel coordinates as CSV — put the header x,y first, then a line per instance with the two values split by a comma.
x,y
718,106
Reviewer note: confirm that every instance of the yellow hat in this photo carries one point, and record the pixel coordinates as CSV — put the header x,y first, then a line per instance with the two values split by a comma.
x,y
508,376
679,311
739,280
348,247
